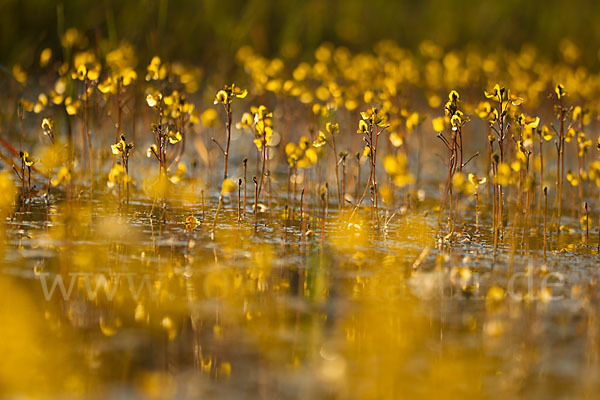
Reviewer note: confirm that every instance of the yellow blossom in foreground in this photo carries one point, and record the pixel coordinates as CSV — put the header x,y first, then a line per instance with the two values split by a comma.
x,y
7,191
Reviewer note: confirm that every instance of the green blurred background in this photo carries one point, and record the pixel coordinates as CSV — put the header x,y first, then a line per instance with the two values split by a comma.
x,y
201,31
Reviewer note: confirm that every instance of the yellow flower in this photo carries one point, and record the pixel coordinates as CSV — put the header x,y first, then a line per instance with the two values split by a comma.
x,y
174,137
41,103
577,113
154,69
221,97
363,127
486,112
560,91
459,183
116,148
72,107
527,121
47,125
570,134
293,153
497,93
594,172
396,166
367,151
547,133
64,175
27,159
81,72
504,176
116,175
7,191
319,109
245,122
26,104
439,124
332,128
238,92
453,96
107,86
209,117
412,121
45,57
19,74
475,181
128,75
310,156
226,94
153,99
456,121
321,140
304,143
152,150
94,72
258,143
121,147
572,178
179,173
228,186
396,139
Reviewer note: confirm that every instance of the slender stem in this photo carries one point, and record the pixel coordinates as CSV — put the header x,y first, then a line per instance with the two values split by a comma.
x,y
228,125
302,213
245,169
262,173
587,224
87,132
476,212
357,175
23,180
545,220
337,177
541,170
218,210
239,217
343,196
375,191
561,165
202,202
255,202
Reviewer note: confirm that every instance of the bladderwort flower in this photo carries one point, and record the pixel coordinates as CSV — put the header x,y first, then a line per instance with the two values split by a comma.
x,y
372,123
263,132
123,149
87,70
562,114
48,128
454,144
63,176
333,129
225,97
26,161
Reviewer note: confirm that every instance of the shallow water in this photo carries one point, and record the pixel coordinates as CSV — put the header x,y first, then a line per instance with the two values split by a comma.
x,y
258,309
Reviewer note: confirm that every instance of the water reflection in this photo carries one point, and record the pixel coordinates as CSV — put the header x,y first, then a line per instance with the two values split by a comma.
x,y
97,303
